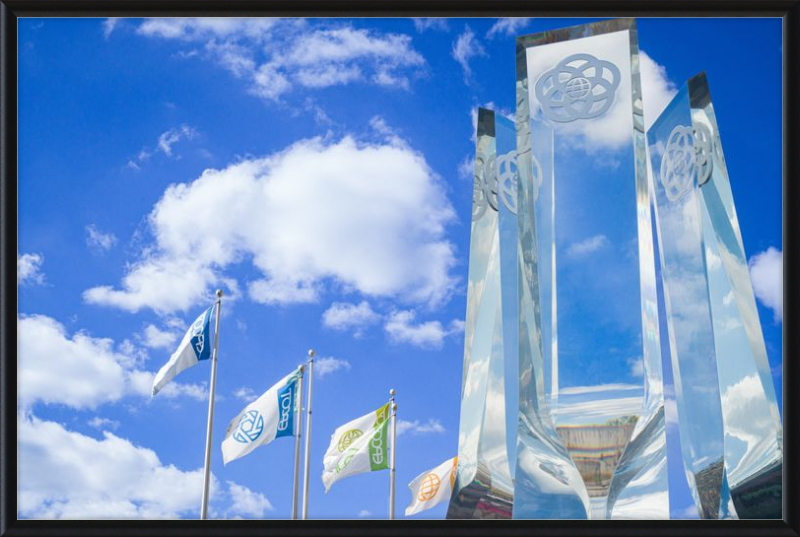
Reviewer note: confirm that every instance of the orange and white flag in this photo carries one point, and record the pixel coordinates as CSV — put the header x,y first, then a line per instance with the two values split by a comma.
x,y
432,487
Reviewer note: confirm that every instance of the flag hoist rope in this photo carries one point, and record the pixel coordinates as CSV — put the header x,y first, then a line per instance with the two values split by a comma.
x,y
209,428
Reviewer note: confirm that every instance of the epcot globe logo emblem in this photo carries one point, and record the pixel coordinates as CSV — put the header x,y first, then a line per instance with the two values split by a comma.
x,y
249,428
579,87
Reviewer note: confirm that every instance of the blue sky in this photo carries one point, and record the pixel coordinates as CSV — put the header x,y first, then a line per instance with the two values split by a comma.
x,y
318,171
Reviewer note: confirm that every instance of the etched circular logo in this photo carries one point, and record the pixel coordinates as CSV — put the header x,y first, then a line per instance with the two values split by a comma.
x,y
579,87
688,152
507,180
678,163
704,153
347,438
249,428
484,188
429,487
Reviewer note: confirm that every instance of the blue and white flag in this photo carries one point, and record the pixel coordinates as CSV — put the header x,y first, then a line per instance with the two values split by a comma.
x,y
196,346
271,416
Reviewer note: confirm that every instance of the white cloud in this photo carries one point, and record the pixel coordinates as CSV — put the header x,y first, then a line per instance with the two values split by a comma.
x,y
103,423
326,366
109,25
400,328
275,55
245,394
430,23
364,513
29,269
344,316
64,474
587,246
173,136
81,372
247,502
507,26
99,241
637,366
432,426
657,89
155,338
766,273
295,214
466,168
465,48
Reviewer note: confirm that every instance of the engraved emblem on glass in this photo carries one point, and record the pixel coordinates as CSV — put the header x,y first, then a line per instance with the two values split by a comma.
x,y
731,433
591,420
483,486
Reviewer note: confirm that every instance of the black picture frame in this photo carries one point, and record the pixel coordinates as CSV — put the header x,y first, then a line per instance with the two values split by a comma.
x,y
10,10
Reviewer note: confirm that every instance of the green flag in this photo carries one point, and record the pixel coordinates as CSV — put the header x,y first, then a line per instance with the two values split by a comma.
x,y
359,446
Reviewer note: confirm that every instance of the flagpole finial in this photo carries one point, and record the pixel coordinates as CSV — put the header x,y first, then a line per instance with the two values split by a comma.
x,y
311,353
219,293
392,392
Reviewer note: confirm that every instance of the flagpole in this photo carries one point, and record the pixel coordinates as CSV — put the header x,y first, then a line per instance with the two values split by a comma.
x,y
393,406
209,427
308,433
298,416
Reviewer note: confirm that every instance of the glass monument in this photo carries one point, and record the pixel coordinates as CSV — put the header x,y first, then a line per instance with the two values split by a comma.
x,y
731,434
592,329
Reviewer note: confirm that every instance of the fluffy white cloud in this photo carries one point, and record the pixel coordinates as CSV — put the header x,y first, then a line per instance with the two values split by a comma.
x,y
245,502
295,214
155,338
637,366
465,48
103,423
245,393
345,316
64,474
274,55
657,89
99,241
327,365
415,427
507,26
430,23
400,328
766,273
81,372
29,269
587,246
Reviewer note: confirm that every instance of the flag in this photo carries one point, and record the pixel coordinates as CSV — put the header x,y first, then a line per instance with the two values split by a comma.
x,y
432,487
359,446
271,416
196,346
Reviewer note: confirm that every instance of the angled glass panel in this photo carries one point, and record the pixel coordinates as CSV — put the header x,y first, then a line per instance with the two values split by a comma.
x,y
706,276
483,486
579,111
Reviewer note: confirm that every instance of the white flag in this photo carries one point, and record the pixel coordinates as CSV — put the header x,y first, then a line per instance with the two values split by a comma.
x,y
271,416
359,446
432,487
196,346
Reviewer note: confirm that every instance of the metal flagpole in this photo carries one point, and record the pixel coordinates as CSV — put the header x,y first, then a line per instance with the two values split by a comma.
x,y
308,433
298,416
393,406
209,428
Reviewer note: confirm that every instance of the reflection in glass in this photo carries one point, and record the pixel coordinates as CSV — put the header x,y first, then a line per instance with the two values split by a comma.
x,y
483,486
730,428
588,315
